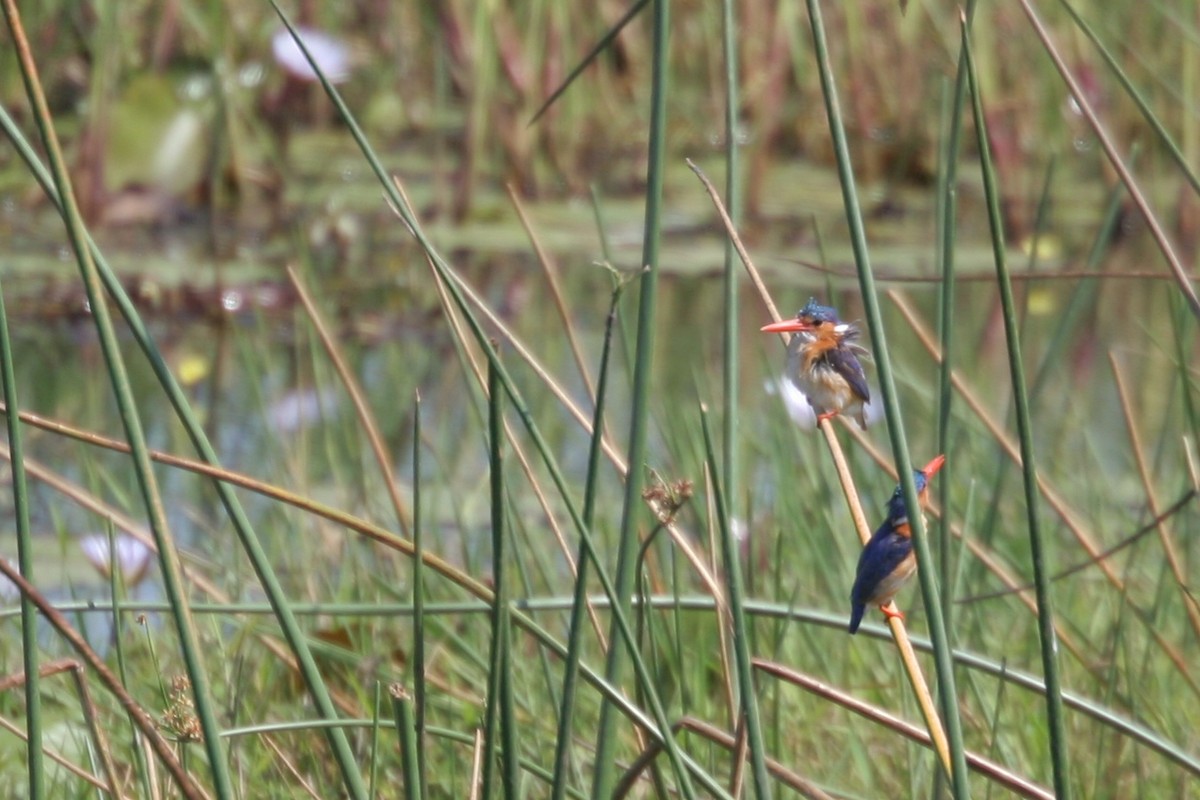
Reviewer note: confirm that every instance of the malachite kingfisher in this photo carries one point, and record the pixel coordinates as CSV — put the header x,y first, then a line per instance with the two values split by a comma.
x,y
823,362
888,561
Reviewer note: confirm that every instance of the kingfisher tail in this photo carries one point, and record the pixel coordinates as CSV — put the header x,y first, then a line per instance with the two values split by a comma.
x,y
856,615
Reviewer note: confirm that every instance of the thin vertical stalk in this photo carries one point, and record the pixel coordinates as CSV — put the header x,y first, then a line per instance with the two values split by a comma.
x,y
500,721
748,701
627,546
147,485
418,591
29,619
733,196
947,198
406,727
1041,570
927,572
373,772
562,743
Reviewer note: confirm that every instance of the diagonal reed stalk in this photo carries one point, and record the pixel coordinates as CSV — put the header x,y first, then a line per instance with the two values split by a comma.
x,y
1114,158
1177,156
608,38
1187,597
1010,780
365,418
1041,568
127,407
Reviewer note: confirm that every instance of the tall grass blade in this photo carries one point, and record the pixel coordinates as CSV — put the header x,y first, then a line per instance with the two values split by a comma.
x,y
29,619
500,724
747,697
891,403
579,602
599,48
1041,569
1182,330
420,697
733,199
406,727
947,229
147,485
1083,295
1181,161
627,546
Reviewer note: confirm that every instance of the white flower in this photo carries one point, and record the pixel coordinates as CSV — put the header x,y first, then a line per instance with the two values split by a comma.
x,y
331,55
132,556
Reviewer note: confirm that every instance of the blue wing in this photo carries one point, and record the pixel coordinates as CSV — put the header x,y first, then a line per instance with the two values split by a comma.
x,y
883,554
849,367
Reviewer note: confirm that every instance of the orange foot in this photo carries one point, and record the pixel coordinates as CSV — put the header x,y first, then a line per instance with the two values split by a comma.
x,y
826,416
890,614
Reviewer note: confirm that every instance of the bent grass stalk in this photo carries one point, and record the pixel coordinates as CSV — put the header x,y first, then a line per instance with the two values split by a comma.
x,y
145,723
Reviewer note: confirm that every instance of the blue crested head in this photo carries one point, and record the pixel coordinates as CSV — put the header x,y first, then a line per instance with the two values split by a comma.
x,y
816,313
897,509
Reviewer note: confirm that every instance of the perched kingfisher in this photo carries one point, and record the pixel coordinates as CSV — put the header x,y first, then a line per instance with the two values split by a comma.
x,y
888,561
823,361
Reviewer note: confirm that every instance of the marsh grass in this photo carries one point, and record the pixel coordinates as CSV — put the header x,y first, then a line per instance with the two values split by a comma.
x,y
382,662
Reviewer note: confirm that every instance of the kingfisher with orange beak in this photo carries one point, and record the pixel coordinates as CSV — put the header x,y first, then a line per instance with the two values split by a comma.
x,y
823,362
888,560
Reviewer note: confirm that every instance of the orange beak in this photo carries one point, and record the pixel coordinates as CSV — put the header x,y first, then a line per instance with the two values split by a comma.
x,y
786,326
933,466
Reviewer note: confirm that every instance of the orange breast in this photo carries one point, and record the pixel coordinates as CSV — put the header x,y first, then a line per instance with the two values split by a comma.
x,y
816,349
